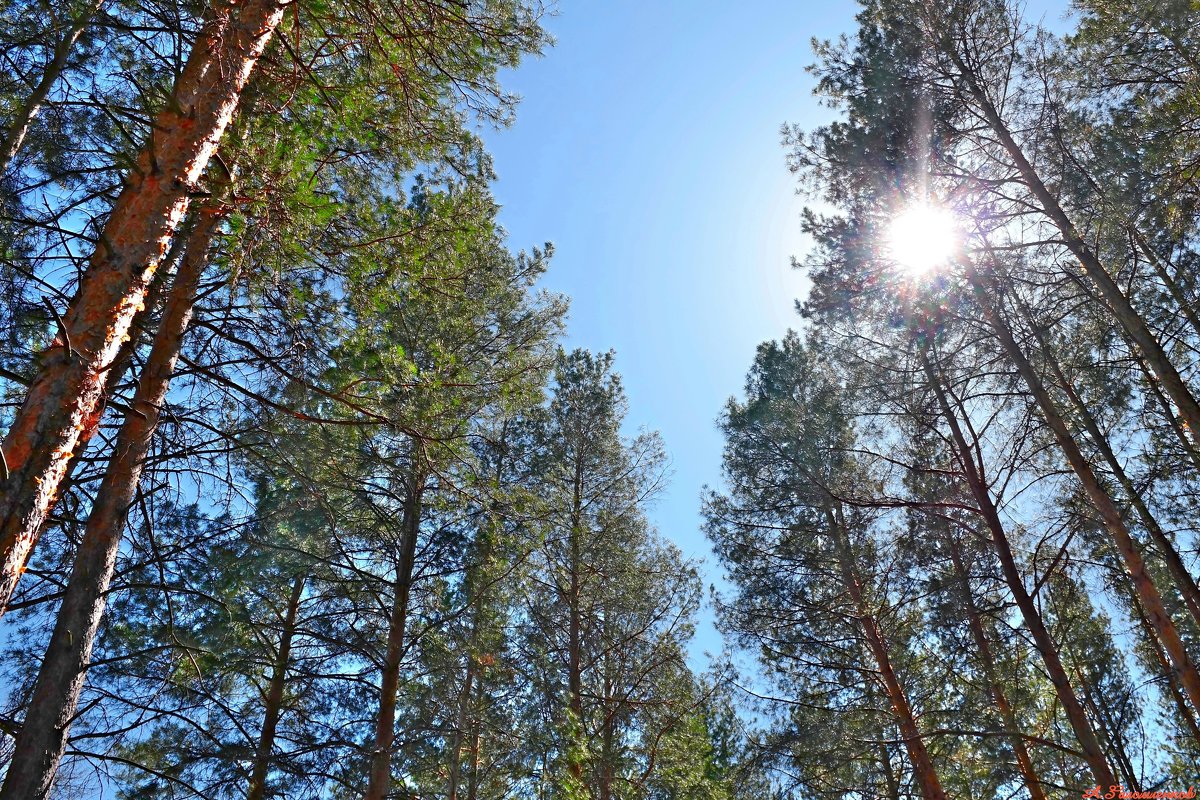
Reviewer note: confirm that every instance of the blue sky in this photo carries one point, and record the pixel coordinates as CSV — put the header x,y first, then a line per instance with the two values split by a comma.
x,y
646,148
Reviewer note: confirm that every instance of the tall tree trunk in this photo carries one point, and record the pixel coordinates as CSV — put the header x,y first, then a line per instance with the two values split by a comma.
x,y
1173,288
1109,513
42,739
125,356
1184,711
65,400
389,684
1110,292
575,623
990,674
1166,548
1116,745
1093,754
914,742
476,585
607,770
23,119
274,701
460,729
476,733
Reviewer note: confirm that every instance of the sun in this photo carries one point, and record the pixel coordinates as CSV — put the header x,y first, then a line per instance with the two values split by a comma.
x,y
922,238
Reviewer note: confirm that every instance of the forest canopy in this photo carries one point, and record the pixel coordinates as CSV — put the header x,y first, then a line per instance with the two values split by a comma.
x,y
303,494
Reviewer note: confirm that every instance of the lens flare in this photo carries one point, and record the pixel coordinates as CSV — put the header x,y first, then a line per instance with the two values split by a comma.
x,y
922,238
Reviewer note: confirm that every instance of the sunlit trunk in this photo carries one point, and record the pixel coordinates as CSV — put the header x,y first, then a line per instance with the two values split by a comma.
x,y
65,399
42,739
1184,711
1166,548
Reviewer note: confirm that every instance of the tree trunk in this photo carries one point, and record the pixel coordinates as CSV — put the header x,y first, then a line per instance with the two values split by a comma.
x,y
1115,744
575,624
1167,280
464,712
1186,714
65,400
1112,295
1093,754
1183,579
1109,513
914,743
24,117
608,732
274,703
389,685
42,739
476,732
990,674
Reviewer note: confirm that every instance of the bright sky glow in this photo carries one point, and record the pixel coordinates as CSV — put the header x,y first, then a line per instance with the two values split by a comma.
x,y
922,238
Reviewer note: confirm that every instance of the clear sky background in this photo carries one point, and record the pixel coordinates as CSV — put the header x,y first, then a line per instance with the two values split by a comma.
x,y
647,149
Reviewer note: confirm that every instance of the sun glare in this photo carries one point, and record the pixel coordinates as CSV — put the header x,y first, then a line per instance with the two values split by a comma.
x,y
922,238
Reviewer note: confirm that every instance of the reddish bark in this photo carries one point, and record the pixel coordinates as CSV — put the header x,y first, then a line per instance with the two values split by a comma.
x,y
43,736
1166,548
65,400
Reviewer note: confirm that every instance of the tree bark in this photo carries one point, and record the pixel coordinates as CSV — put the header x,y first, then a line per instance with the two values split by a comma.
x,y
21,123
42,739
1186,714
1112,295
274,701
914,743
607,772
575,623
389,685
1093,754
1183,579
990,674
464,712
1111,516
64,402
473,775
